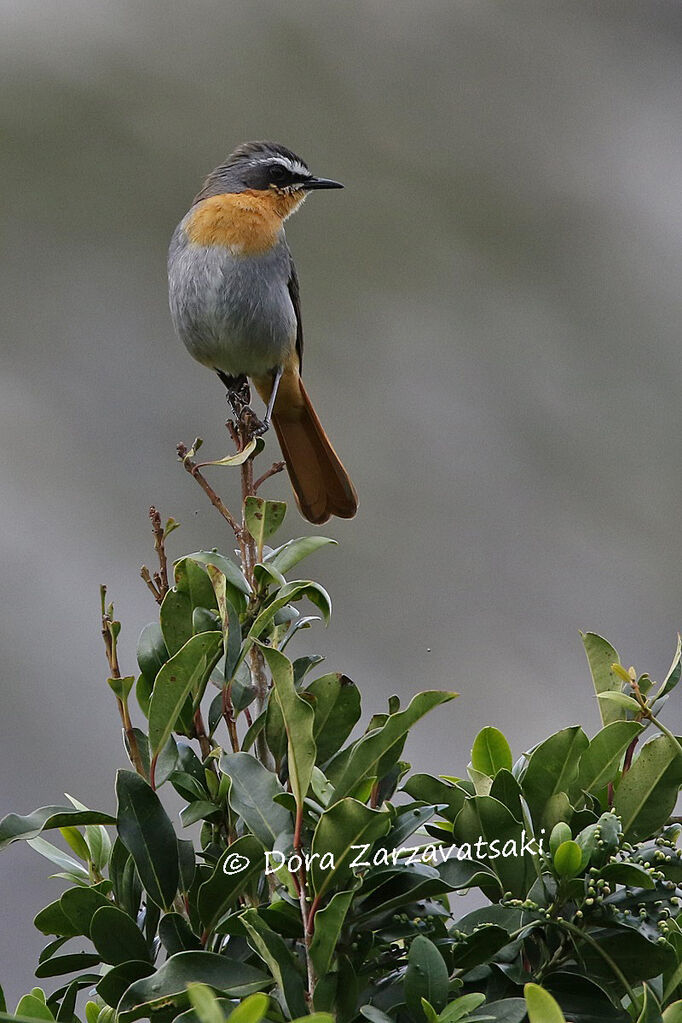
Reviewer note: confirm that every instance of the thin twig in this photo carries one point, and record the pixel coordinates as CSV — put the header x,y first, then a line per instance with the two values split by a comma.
x,y
109,637
272,471
216,501
156,593
161,578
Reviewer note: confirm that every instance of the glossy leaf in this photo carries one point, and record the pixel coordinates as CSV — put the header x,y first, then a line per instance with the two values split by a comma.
x,y
600,657
328,924
148,835
79,906
298,718
252,795
600,762
59,965
345,825
490,752
183,675
553,768
279,960
251,1010
337,711
485,818
176,935
14,827
205,1004
542,1008
289,554
368,752
647,794
116,982
169,984
426,977
293,591
240,862
263,518
116,936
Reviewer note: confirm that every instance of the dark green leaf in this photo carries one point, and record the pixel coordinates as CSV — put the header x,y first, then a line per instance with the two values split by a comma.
x,y
58,965
183,675
346,824
147,833
235,868
599,763
279,960
251,795
263,518
337,711
47,818
176,935
169,983
369,751
647,794
116,982
152,652
298,717
80,904
553,768
328,924
426,977
289,554
116,936
435,791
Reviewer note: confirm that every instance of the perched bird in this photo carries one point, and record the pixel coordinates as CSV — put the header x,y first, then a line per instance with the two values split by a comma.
x,y
234,300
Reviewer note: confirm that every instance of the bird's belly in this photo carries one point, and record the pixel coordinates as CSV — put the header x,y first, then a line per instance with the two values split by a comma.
x,y
232,313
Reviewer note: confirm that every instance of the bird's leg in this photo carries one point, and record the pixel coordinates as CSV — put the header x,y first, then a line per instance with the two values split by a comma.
x,y
260,427
238,393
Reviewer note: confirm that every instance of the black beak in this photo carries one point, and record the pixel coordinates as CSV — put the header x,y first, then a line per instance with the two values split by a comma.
x,y
311,183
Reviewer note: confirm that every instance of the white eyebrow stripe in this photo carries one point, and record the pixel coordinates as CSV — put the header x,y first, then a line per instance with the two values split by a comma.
x,y
294,166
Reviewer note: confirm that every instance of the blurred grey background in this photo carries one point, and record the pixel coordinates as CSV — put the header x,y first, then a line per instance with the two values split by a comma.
x,y
492,312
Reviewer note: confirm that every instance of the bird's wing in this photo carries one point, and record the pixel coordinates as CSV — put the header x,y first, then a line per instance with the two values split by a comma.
x,y
295,295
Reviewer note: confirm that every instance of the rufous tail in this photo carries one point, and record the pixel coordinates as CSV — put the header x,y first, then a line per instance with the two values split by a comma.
x,y
320,482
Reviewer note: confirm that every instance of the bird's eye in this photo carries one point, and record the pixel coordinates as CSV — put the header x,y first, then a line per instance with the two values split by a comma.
x,y
278,173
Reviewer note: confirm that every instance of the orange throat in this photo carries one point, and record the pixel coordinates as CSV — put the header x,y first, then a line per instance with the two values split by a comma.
x,y
244,222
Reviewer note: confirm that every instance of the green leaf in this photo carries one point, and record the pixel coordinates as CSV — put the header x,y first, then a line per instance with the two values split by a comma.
x,y
337,710
276,955
252,795
205,1004
600,762
426,977
116,936
184,674
542,1008
47,818
59,858
251,1010
299,719
116,982
479,946
553,768
121,687
293,591
148,835
647,794
568,859
33,1007
289,554
236,583
630,874
346,824
367,753
673,1014
53,920
169,984
58,965
434,791
75,840
673,676
462,1008
263,518
600,656
485,818
176,935
490,752
152,652
79,906
328,924
621,700
233,871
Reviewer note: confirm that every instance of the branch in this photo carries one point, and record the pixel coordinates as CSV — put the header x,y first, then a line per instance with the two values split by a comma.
x,y
272,471
216,501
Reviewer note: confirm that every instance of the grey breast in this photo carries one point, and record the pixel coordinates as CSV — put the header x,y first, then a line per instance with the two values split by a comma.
x,y
232,312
